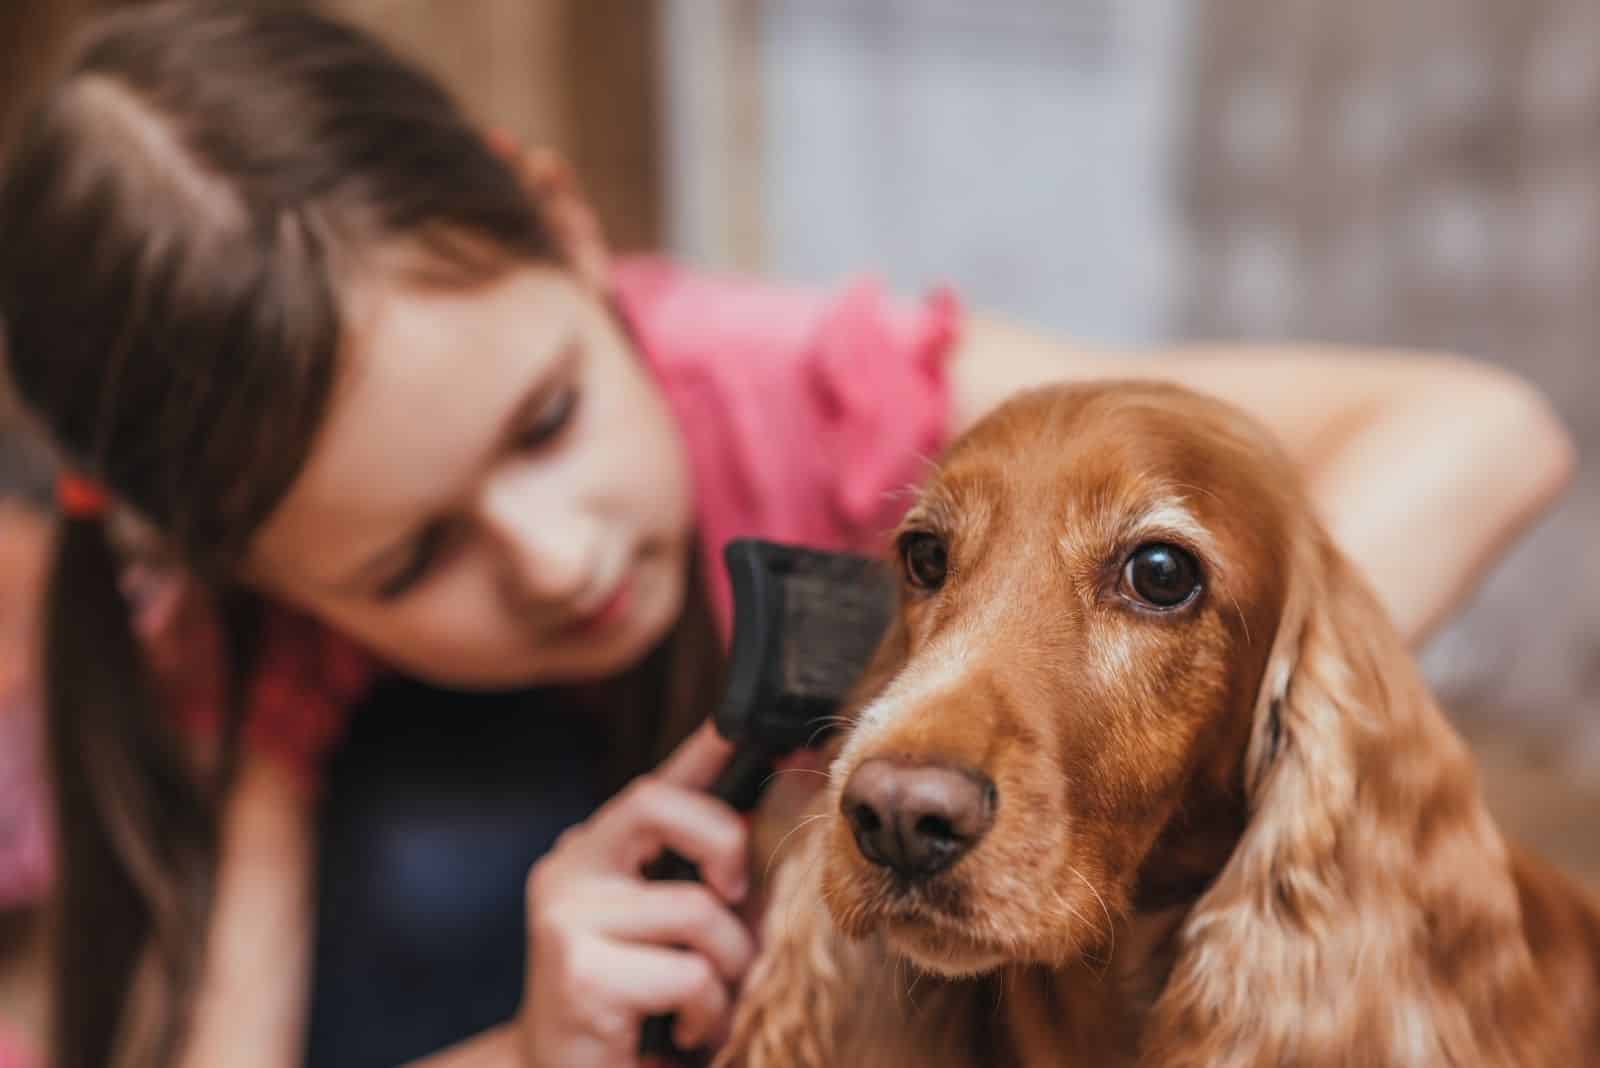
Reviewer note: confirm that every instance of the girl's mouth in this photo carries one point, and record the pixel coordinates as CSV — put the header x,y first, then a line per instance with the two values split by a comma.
x,y
607,614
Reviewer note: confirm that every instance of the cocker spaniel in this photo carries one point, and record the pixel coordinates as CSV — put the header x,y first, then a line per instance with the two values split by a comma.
x,y
1142,775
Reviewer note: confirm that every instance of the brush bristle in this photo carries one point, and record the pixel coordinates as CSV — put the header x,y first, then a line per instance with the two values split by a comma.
x,y
835,611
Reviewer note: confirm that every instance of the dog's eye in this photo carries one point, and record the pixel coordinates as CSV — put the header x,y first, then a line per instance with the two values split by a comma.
x,y
1161,576
923,556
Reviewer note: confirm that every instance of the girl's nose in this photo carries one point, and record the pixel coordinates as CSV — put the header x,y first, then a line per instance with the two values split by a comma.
x,y
547,546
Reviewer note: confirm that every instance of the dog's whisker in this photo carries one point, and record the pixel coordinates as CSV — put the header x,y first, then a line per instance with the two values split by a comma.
x,y
1240,613
796,829
911,993
1111,927
823,724
797,900
795,771
1072,910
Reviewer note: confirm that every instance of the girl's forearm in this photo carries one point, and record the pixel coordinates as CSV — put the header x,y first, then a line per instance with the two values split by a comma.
x,y
1434,483
251,1009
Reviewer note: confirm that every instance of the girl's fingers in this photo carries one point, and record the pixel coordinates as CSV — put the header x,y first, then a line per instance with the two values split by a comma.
x,y
697,760
683,915
653,814
653,981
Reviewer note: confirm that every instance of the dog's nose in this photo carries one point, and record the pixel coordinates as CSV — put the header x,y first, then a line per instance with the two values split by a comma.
x,y
916,819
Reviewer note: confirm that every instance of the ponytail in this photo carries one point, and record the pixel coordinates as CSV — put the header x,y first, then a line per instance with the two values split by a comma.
x,y
136,826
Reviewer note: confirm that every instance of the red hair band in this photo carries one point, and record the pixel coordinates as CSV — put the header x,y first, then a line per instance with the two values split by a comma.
x,y
501,143
81,497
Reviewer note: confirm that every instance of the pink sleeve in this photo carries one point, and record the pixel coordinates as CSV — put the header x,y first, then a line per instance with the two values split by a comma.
x,y
306,678
879,398
806,414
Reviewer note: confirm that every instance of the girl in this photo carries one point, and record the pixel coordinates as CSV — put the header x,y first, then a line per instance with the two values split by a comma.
x,y
373,393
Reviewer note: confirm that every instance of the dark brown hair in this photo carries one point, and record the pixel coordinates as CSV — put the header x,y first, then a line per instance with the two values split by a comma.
x,y
175,221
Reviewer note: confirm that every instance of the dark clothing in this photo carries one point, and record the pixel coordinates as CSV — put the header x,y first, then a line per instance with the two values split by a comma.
x,y
436,806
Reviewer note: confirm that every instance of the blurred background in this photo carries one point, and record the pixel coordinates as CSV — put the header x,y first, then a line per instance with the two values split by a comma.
x,y
1134,171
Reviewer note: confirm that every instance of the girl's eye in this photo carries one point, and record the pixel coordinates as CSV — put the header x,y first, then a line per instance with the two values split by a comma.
x,y
551,418
925,560
435,542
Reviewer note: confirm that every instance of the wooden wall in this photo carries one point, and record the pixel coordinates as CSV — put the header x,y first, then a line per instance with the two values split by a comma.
x,y
32,33
579,75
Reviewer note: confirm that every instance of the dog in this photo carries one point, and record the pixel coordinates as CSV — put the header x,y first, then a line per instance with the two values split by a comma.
x,y
1142,774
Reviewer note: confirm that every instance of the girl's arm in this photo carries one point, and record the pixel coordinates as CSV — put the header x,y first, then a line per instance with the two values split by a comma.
x,y
251,1012
1425,468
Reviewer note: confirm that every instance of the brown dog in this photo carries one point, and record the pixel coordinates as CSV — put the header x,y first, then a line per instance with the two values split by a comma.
x,y
1145,776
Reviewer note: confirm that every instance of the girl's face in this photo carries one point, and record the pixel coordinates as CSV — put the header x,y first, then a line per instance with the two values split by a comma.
x,y
499,496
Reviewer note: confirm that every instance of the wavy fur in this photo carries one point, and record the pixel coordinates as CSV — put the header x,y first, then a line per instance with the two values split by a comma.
x,y
1238,837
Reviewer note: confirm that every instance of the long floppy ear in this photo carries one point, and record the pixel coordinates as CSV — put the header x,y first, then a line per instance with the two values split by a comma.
x,y
816,999
1370,890
806,981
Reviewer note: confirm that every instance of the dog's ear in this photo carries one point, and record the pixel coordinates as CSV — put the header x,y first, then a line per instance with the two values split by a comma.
x,y
816,999
1367,844
793,1004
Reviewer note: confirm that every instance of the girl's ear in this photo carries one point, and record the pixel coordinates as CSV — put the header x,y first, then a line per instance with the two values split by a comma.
x,y
562,206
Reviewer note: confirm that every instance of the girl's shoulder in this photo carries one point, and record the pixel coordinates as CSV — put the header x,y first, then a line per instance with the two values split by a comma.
x,y
700,322
804,410
304,678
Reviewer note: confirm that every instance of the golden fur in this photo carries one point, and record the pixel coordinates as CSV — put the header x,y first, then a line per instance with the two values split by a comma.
x,y
1233,835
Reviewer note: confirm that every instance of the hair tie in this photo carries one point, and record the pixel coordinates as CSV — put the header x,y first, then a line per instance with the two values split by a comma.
x,y
80,497
501,143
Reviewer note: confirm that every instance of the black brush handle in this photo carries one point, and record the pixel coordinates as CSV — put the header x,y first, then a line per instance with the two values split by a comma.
x,y
740,786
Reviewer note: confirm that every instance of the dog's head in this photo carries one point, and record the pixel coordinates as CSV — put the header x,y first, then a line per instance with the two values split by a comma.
x,y
1093,582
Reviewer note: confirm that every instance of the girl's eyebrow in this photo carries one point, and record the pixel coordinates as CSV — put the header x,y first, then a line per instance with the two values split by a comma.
x,y
389,558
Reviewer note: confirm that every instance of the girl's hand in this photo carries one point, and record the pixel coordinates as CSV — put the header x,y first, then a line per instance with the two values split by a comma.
x,y
607,948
